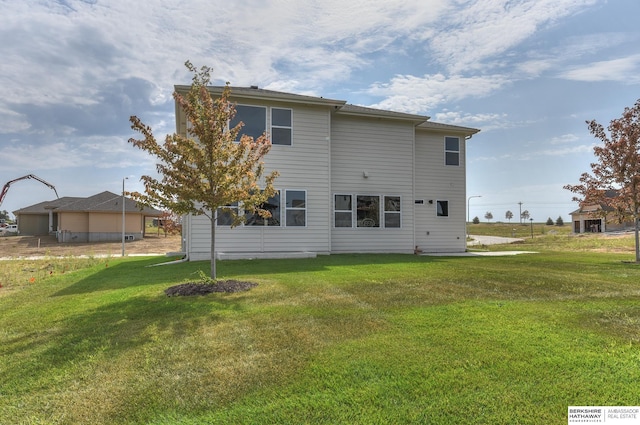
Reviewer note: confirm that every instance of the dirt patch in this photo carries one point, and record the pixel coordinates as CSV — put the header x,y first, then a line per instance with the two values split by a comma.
x,y
27,246
189,289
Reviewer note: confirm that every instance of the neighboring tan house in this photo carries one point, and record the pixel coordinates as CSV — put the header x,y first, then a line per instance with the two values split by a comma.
x,y
588,218
352,179
97,218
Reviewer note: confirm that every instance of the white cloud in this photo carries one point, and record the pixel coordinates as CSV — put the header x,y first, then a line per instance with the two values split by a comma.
x,y
536,67
536,155
13,122
487,28
407,93
86,44
564,139
93,152
566,151
625,70
486,122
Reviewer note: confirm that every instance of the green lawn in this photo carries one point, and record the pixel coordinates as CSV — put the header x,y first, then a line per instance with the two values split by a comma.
x,y
359,339
517,230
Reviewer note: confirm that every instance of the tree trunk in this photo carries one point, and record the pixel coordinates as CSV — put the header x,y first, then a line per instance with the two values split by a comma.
x,y
213,248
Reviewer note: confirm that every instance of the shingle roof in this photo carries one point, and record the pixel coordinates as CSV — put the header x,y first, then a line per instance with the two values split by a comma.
x,y
340,106
257,93
430,125
364,111
101,202
45,206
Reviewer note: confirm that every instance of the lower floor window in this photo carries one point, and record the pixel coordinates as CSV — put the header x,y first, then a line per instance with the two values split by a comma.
x,y
343,215
273,206
295,208
442,208
391,211
225,215
295,211
367,211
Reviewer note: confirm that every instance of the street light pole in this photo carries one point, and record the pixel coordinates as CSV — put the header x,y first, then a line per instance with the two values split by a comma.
x,y
123,214
466,231
531,220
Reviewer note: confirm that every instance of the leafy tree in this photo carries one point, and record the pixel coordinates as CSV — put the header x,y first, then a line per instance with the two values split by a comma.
x,y
617,170
476,220
549,222
559,221
169,223
508,215
206,169
488,216
4,214
524,215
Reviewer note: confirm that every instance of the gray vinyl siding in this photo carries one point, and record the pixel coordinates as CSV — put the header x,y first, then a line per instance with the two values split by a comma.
x,y
303,166
383,149
435,181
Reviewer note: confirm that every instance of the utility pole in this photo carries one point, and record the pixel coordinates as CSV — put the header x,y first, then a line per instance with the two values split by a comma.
x,y
520,203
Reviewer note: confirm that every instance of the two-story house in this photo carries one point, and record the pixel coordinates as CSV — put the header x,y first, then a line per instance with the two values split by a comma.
x,y
352,179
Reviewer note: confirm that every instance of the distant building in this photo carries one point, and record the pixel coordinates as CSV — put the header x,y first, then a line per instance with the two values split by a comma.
x,y
589,218
97,218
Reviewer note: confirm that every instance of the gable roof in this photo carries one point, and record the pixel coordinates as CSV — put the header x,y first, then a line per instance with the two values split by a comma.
x,y
45,206
363,111
339,107
262,94
102,202
589,206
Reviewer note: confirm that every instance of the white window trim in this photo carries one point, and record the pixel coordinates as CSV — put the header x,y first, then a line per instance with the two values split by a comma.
x,y
266,116
334,210
446,151
283,211
272,126
236,207
380,212
250,226
448,208
384,211
354,210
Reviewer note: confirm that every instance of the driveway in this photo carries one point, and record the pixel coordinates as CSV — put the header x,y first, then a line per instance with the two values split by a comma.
x,y
485,240
491,240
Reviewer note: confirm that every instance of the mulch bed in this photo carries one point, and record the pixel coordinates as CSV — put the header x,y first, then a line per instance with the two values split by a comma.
x,y
188,289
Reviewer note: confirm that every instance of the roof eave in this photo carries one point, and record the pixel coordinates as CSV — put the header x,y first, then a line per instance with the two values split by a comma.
x,y
389,115
428,125
268,95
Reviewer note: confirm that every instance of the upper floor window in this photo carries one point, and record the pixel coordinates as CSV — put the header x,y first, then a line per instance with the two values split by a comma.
x,y
452,151
281,126
254,119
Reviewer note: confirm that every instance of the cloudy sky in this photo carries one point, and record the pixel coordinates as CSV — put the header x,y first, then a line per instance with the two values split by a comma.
x,y
528,73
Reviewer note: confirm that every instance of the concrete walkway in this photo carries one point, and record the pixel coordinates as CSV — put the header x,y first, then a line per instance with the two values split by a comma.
x,y
491,240
484,240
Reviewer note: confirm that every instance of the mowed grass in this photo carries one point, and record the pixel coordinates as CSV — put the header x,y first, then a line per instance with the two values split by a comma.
x,y
517,229
554,238
356,339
